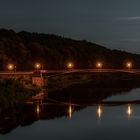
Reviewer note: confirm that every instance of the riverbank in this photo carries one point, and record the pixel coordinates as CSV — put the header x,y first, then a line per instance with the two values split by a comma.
x,y
97,79
93,87
81,87
12,92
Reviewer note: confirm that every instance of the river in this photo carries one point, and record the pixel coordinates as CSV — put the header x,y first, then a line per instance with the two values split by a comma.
x,y
65,120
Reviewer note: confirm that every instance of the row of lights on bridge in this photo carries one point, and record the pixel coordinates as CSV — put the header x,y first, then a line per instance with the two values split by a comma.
x,y
99,65
69,65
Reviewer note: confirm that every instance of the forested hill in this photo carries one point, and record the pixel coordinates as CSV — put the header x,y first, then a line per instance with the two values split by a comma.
x,y
24,49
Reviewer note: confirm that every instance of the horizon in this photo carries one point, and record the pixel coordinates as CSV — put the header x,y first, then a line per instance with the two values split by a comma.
x,y
113,24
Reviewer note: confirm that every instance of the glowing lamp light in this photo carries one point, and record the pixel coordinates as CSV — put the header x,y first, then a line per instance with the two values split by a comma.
x,y
129,65
37,66
70,65
10,66
99,65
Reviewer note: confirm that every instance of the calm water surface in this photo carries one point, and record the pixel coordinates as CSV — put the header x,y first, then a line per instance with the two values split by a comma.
x,y
67,122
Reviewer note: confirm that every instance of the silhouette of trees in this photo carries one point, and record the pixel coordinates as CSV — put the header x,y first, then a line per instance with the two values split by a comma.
x,y
24,49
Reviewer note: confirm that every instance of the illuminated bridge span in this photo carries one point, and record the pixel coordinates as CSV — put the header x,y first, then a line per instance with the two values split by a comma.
x,y
58,77
59,72
62,72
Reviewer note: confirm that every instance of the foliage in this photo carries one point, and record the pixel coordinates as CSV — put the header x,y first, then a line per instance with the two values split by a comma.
x,y
24,49
12,91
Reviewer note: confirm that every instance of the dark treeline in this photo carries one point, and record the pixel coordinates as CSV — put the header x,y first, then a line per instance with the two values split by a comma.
x,y
24,49
13,92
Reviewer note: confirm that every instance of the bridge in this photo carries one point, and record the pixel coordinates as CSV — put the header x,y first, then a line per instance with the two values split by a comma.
x,y
61,72
61,78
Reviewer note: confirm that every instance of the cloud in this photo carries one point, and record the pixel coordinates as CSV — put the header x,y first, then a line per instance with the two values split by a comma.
x,y
129,18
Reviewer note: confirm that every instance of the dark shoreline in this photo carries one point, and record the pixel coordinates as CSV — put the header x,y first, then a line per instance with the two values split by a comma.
x,y
77,88
93,80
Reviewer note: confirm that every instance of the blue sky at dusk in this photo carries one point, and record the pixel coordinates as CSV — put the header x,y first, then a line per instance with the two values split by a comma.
x,y
112,23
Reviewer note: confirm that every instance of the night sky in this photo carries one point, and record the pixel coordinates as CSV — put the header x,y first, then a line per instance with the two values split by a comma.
x,y
112,23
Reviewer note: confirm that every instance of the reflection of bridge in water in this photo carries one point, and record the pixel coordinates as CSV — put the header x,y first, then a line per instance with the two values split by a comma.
x,y
39,105
103,103
113,103
71,108
47,110
39,98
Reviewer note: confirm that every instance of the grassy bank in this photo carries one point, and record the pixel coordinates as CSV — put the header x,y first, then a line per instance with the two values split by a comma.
x,y
13,91
91,87
99,79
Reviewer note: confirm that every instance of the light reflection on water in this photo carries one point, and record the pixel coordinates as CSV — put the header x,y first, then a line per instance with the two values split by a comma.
x,y
77,122
83,125
129,110
38,110
70,111
99,111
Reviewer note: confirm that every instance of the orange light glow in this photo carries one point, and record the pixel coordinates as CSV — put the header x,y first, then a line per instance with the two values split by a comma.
x,y
10,66
37,66
70,65
129,65
99,65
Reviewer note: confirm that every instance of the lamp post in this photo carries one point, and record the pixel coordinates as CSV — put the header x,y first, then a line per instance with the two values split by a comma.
x,y
39,67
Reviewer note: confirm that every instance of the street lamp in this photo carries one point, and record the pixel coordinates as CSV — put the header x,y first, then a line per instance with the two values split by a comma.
x,y
38,66
11,67
99,65
129,65
70,65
